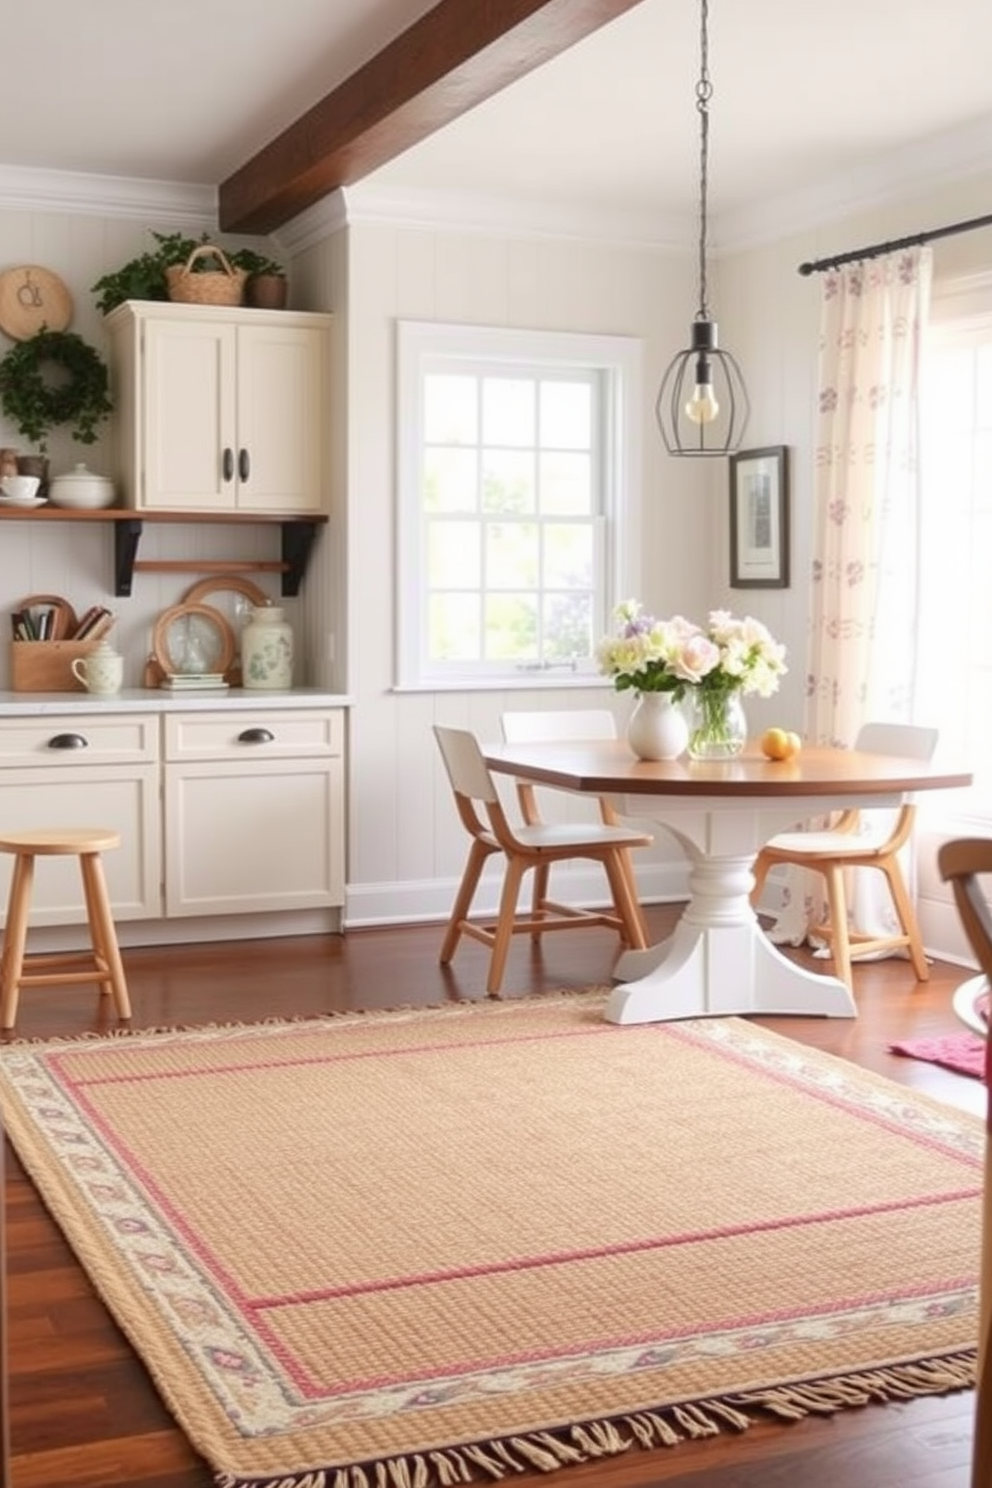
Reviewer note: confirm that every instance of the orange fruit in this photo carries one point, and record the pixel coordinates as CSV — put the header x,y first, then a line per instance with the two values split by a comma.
x,y
780,744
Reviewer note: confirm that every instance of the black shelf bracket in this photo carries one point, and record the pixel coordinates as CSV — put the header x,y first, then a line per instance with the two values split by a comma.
x,y
298,536
297,542
127,535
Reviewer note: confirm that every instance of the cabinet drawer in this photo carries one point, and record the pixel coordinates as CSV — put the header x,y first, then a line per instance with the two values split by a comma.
x,y
100,739
276,734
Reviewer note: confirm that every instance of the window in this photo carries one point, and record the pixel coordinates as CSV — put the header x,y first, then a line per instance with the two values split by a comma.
x,y
516,481
954,644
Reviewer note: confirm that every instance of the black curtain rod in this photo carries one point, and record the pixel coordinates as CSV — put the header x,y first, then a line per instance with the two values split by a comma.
x,y
878,249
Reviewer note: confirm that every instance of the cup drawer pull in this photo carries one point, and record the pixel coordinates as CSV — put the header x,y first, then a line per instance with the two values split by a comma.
x,y
256,736
68,741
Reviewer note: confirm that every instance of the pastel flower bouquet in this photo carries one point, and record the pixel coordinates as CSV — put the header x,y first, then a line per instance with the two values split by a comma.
x,y
711,667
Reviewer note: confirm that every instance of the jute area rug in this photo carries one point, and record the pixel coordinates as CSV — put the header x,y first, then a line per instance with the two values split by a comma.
x,y
421,1248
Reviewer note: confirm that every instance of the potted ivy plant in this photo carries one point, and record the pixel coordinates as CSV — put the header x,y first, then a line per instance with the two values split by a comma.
x,y
267,286
145,277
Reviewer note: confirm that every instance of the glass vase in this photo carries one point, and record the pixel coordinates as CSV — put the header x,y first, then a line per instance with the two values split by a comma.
x,y
717,724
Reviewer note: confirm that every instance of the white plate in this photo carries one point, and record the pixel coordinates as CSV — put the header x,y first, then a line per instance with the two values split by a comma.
x,y
17,500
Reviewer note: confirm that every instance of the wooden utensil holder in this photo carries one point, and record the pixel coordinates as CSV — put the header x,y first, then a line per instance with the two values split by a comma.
x,y
46,666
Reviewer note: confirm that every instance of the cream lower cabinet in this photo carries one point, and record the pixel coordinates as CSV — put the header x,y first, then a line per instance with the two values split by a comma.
x,y
254,811
81,771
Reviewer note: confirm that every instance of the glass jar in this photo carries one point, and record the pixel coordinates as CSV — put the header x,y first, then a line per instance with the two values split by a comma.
x,y
267,650
717,724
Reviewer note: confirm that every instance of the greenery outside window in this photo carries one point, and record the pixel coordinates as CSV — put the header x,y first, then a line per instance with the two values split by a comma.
x,y
517,478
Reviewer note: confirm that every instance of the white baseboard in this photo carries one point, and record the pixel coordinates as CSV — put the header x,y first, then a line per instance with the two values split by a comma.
x,y
425,900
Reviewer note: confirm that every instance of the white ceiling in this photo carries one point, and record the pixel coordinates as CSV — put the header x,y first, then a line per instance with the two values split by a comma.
x,y
854,97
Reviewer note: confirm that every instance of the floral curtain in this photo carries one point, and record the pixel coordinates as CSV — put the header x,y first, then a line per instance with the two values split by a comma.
x,y
866,486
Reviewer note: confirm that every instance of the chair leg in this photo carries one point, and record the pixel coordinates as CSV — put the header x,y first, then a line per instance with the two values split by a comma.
x,y
15,937
839,939
478,853
626,860
103,933
626,904
515,870
907,917
539,896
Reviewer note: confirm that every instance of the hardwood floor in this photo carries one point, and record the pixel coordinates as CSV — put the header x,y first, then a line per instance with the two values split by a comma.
x,y
83,1412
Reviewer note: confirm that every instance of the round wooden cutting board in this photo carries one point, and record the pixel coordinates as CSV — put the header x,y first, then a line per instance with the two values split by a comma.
x,y
33,299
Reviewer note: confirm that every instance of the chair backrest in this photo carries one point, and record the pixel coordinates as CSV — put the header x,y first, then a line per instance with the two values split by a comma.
x,y
558,723
960,863
467,769
553,724
905,740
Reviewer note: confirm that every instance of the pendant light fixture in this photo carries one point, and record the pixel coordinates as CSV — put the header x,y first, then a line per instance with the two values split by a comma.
x,y
702,406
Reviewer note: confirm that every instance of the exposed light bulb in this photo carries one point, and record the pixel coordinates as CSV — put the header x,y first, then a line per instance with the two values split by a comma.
x,y
702,407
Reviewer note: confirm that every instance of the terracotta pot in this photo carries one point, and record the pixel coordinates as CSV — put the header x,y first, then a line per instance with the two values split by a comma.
x,y
267,292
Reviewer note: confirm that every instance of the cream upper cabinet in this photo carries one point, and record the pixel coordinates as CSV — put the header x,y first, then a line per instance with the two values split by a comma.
x,y
221,410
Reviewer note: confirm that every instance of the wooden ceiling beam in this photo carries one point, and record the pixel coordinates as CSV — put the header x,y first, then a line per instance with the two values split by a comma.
x,y
455,56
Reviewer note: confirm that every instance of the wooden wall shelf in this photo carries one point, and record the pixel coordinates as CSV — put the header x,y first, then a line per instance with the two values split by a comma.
x,y
298,535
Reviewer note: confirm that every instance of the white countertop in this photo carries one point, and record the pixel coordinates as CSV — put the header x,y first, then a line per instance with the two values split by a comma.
x,y
159,700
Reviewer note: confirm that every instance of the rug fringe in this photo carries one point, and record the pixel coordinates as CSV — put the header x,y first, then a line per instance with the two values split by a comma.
x,y
502,1004
667,1426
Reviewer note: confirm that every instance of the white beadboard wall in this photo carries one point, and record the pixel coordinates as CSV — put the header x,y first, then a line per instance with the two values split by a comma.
x,y
406,847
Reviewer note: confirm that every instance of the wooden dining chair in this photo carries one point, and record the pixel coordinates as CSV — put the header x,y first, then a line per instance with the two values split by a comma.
x,y
852,842
556,724
962,862
527,847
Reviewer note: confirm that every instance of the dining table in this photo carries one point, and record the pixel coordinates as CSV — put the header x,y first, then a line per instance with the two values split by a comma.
x,y
719,960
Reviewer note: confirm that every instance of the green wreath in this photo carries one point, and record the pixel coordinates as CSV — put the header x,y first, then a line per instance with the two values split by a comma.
x,y
36,400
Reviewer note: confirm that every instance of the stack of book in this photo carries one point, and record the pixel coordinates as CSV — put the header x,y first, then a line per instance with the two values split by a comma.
x,y
94,624
195,682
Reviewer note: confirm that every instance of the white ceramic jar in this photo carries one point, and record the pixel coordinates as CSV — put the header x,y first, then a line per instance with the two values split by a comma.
x,y
267,650
81,489
101,672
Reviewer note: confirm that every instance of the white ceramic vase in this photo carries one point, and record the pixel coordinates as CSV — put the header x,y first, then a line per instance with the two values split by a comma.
x,y
657,729
267,650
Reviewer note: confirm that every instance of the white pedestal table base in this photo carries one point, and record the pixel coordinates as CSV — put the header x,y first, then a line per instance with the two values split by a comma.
x,y
719,961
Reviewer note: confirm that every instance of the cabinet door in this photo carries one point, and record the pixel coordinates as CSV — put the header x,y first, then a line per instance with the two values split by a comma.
x,y
189,416
244,836
283,415
121,797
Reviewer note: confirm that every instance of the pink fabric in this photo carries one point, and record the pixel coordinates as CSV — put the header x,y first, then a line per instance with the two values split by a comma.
x,y
962,1052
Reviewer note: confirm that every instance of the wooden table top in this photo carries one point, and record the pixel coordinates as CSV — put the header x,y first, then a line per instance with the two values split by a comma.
x,y
606,767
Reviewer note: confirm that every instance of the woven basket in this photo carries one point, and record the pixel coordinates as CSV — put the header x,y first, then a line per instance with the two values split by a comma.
x,y
224,287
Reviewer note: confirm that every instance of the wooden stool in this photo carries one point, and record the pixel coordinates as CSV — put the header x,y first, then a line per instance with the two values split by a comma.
x,y
18,970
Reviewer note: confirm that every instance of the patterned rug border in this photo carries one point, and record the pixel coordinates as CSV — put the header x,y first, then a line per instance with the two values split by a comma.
x,y
597,1437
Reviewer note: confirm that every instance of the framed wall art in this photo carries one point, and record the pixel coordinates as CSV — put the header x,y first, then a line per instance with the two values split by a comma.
x,y
759,518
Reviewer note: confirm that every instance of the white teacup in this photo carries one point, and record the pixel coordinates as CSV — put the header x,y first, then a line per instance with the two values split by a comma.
x,y
102,672
20,487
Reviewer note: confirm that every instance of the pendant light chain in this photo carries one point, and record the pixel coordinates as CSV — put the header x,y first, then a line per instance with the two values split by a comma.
x,y
702,406
704,93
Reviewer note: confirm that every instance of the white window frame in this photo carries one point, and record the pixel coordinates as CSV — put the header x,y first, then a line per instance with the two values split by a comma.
x,y
618,362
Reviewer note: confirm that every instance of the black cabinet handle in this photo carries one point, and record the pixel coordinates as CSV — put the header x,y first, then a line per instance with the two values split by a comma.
x,y
244,465
227,464
256,736
68,741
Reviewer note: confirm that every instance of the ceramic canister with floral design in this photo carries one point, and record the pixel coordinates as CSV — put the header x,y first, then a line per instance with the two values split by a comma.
x,y
267,650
